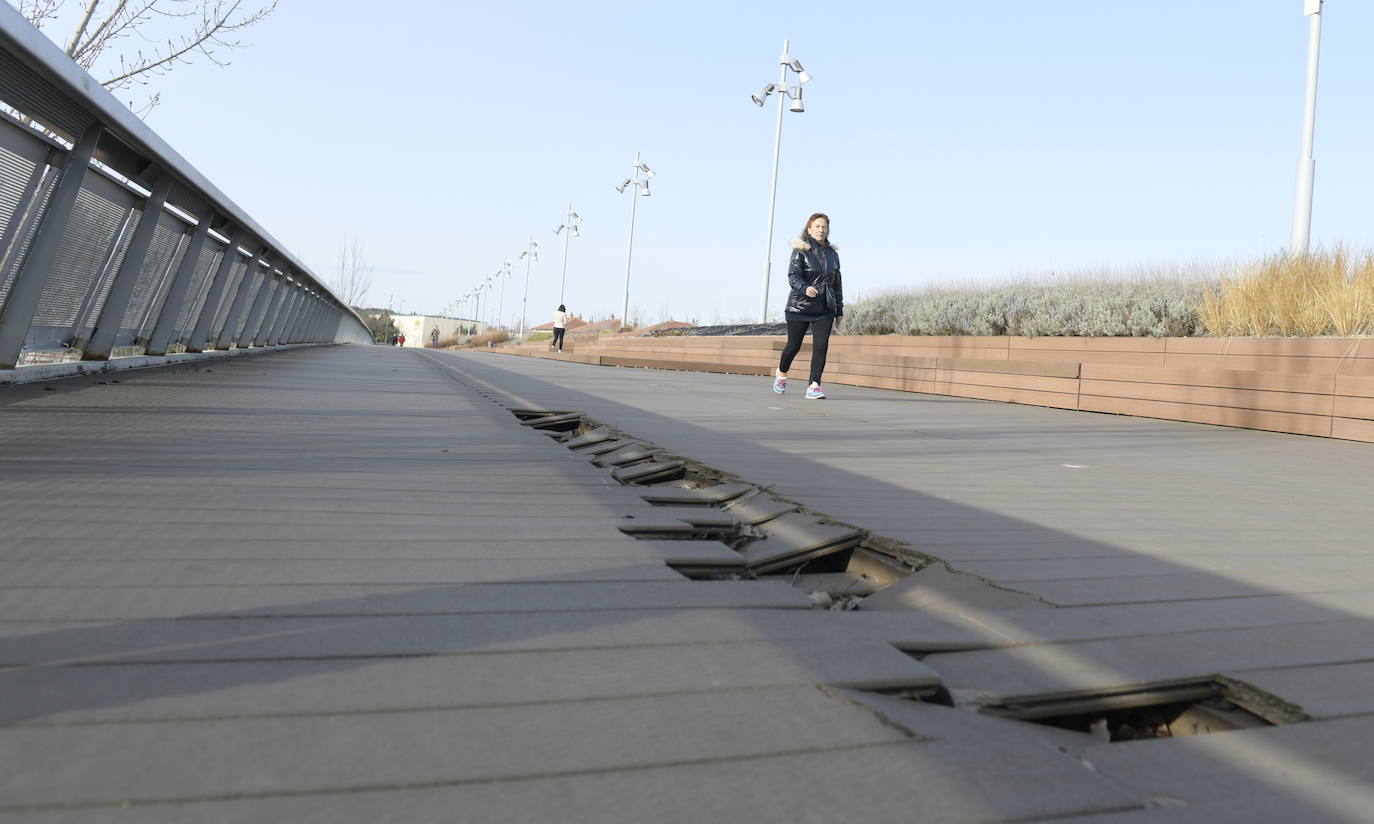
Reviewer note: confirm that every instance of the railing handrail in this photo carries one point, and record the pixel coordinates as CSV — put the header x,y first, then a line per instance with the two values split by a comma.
x,y
45,58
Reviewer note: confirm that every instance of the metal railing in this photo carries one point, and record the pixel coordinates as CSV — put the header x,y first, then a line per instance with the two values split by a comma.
x,y
111,244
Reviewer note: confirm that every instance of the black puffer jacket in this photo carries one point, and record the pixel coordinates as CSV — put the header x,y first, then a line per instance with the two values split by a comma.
x,y
819,266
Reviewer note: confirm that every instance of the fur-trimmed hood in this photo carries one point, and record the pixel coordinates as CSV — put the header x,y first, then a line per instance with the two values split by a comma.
x,y
803,245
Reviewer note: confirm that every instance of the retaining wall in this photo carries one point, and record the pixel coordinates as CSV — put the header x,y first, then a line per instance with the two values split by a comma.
x,y
1306,386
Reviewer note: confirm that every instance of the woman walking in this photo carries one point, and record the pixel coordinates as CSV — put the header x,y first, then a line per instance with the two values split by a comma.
x,y
560,324
816,301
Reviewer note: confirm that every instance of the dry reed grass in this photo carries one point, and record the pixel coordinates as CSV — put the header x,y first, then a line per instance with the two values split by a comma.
x,y
493,335
1323,293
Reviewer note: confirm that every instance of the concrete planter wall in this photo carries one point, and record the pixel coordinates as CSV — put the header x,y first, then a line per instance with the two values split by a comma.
x,y
1307,386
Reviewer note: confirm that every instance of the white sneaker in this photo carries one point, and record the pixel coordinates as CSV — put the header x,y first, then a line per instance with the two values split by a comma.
x,y
780,385
814,392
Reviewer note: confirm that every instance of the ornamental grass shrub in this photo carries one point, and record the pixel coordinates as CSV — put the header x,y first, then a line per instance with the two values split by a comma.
x,y
1141,304
1323,293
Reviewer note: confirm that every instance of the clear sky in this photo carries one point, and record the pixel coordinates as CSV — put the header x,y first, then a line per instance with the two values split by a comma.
x,y
949,141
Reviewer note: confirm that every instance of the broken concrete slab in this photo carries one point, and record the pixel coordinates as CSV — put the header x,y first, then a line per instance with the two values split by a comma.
x,y
937,587
702,496
794,538
1323,691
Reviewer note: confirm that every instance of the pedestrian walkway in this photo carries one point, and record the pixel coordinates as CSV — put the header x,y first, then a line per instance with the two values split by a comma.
x,y
346,584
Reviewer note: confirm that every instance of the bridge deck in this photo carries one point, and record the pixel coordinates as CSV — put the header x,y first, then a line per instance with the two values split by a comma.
x,y
345,584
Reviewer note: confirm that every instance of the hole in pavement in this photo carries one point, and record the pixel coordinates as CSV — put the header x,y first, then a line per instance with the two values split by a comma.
x,y
836,564
1160,711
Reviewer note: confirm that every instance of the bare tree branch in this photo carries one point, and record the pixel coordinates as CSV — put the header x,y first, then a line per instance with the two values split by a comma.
x,y
353,278
198,28
39,12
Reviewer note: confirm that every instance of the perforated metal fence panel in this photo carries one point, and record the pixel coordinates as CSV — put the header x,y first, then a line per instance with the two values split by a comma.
x,y
200,282
169,241
26,178
227,300
92,238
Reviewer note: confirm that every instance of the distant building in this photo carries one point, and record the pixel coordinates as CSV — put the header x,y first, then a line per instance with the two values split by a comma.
x,y
419,329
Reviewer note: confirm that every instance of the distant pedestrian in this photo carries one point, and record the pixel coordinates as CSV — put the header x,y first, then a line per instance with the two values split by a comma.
x,y
560,326
434,338
401,340
816,301
394,338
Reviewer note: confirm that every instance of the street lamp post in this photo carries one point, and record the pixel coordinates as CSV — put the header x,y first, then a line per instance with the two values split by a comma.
x,y
784,92
531,254
573,222
641,186
503,275
1307,165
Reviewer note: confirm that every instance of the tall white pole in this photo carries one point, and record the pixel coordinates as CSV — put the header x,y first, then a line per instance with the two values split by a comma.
x,y
629,254
501,305
562,285
773,194
525,301
1307,165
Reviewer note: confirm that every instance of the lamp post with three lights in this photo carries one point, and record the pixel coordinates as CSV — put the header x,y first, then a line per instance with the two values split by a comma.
x,y
784,92
642,187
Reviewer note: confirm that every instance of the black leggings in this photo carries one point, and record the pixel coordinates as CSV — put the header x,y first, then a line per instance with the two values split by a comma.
x,y
557,342
820,343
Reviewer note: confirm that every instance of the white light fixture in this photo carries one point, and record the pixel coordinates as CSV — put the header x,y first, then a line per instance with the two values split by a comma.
x,y
784,92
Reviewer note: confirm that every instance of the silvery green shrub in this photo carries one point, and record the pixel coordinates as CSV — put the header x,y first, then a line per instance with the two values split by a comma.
x,y
1088,306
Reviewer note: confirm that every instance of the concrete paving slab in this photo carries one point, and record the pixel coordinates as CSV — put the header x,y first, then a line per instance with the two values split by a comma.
x,y
242,689
1039,625
671,552
907,781
210,639
1188,586
470,527
1265,807
136,603
1237,566
1056,669
197,759
1328,691
297,572
1320,765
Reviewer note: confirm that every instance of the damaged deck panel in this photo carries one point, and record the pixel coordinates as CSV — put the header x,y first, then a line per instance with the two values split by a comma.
x,y
1103,555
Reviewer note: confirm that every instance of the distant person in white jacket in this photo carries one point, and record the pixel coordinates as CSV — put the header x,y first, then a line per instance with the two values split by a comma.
x,y
560,325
